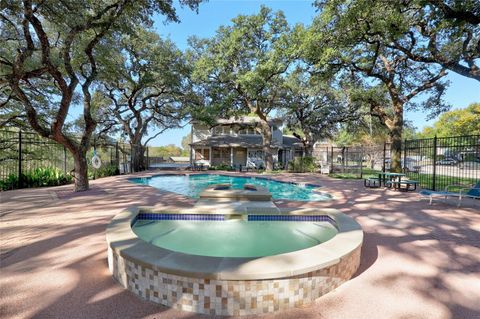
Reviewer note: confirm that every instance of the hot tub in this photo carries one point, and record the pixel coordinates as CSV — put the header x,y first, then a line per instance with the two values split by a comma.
x,y
216,282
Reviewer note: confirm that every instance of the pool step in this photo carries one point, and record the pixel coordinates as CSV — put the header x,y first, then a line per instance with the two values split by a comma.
x,y
224,206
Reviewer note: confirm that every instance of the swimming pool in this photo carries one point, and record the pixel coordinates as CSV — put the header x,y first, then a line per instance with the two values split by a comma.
x,y
193,185
255,236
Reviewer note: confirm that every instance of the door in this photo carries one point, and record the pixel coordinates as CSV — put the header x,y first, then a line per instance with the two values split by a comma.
x,y
239,156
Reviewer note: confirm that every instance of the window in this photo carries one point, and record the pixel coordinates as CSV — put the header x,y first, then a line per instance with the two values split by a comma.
x,y
202,154
216,130
206,154
221,130
255,154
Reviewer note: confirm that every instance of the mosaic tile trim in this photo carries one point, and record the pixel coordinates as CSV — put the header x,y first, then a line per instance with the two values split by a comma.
x,y
291,218
231,297
151,216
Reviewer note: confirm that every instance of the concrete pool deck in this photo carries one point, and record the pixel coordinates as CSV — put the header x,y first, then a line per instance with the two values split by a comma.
x,y
418,261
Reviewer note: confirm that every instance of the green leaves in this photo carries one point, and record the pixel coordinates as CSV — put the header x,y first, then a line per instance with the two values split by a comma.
x,y
242,67
456,123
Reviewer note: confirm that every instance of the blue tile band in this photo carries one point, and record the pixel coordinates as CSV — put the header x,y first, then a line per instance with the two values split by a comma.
x,y
292,218
220,217
151,216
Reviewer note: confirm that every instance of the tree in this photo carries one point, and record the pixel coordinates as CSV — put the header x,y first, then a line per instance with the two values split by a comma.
x,y
443,32
186,140
456,123
314,107
241,69
145,85
53,50
165,151
354,40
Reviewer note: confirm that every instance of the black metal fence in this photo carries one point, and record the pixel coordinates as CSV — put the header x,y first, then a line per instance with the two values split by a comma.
x,y
433,162
21,152
353,161
442,161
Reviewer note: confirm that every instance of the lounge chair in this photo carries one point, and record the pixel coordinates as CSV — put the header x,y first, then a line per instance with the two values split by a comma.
x,y
468,192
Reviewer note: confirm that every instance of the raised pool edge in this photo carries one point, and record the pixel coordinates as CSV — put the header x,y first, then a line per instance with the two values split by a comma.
x,y
233,286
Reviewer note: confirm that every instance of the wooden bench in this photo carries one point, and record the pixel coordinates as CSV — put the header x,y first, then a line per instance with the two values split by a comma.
x,y
398,185
371,182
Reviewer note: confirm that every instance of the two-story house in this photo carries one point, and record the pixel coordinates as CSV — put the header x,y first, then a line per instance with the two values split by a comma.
x,y
238,142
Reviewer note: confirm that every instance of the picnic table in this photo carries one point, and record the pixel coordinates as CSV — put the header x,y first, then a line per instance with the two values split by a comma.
x,y
395,180
392,179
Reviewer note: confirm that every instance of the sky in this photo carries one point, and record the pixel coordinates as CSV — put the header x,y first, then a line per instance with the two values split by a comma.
x,y
213,14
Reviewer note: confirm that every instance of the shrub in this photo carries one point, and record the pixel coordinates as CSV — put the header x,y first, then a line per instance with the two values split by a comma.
x,y
45,176
11,182
302,165
103,171
221,167
37,177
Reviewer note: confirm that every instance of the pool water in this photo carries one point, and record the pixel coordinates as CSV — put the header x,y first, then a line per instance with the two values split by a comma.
x,y
193,185
233,238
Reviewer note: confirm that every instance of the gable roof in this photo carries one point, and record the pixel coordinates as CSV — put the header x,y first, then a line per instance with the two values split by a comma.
x,y
245,141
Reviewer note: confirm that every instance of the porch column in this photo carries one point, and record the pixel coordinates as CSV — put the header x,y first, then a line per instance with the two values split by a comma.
x,y
231,156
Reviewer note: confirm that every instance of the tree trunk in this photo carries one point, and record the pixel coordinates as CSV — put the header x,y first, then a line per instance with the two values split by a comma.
x,y
372,162
308,150
81,170
138,157
267,146
396,136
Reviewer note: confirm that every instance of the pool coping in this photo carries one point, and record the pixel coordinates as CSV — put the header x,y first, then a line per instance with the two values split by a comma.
x,y
331,197
123,241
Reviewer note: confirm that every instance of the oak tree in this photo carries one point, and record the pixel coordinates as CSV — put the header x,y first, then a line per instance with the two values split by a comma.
x,y
145,84
52,49
354,38
241,69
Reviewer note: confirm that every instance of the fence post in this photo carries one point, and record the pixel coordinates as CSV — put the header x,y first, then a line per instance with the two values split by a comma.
x,y
331,161
345,158
384,154
361,162
20,177
405,156
434,173
65,160
117,156
148,160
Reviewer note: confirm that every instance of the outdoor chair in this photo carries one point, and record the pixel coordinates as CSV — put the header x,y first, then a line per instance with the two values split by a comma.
x,y
465,192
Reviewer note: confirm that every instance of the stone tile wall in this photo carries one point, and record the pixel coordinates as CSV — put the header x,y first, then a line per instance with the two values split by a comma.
x,y
230,297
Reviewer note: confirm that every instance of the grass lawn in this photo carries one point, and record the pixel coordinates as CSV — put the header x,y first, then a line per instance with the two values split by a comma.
x,y
366,172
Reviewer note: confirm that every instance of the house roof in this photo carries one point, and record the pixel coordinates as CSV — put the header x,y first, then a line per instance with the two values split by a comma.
x,y
231,141
244,141
291,141
248,120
